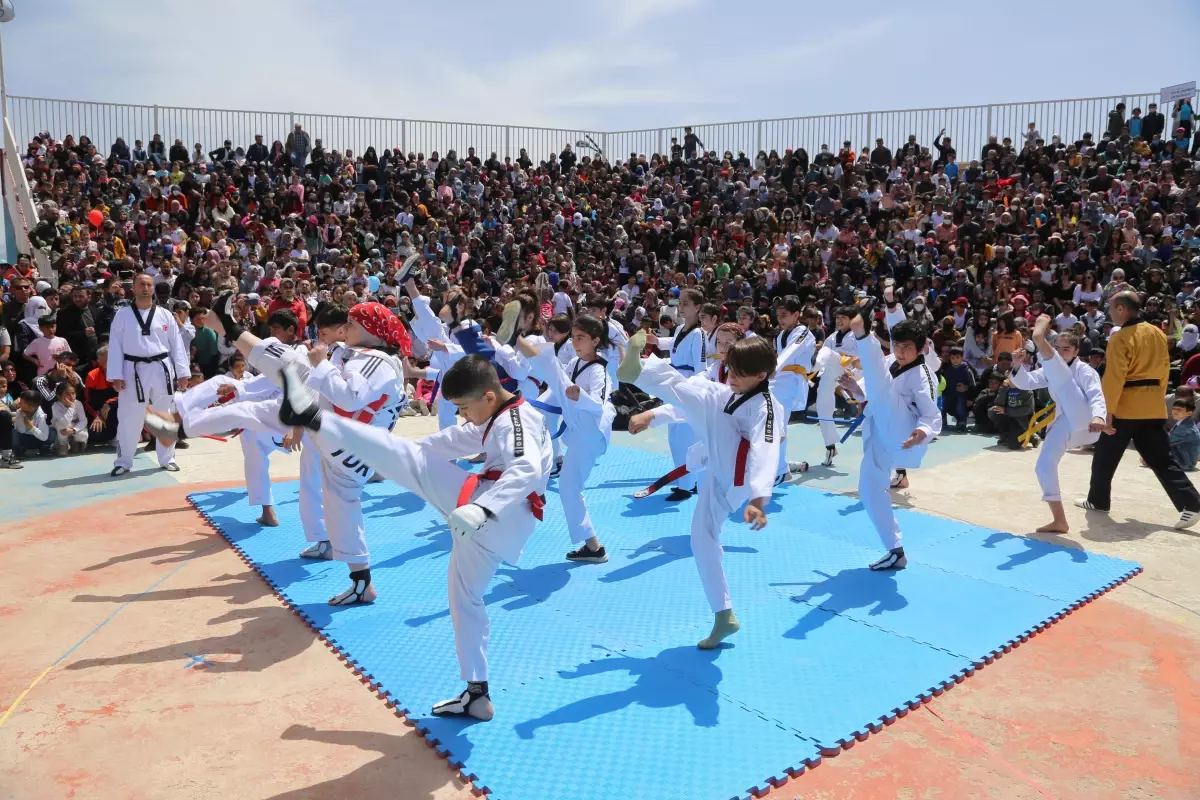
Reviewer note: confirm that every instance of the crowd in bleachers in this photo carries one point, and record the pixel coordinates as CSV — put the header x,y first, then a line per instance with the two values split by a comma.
x,y
977,244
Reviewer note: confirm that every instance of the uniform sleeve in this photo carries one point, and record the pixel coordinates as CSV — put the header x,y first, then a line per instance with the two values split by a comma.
x,y
876,378
352,392
933,360
270,356
425,323
513,362
180,357
260,387
666,415
894,315
1089,382
1116,359
1027,379
763,462
593,390
116,345
522,472
929,418
454,442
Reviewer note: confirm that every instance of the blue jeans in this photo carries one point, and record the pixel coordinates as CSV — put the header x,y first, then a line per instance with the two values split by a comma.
x,y
23,442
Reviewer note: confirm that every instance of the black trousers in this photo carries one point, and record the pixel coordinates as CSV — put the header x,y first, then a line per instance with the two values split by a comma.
x,y
1150,440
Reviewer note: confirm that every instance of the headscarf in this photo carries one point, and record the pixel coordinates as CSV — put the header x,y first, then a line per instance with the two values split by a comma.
x,y
379,321
35,308
1190,338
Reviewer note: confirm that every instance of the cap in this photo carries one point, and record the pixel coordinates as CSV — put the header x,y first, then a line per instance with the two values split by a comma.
x,y
253,299
961,301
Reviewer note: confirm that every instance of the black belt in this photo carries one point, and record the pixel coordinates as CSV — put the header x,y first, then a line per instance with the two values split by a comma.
x,y
137,381
1142,382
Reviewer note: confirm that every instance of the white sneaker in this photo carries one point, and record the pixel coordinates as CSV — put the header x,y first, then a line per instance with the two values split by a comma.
x,y
797,467
830,452
321,551
1187,519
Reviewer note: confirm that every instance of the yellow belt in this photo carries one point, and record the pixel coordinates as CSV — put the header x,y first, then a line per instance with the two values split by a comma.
x,y
1038,422
850,362
796,369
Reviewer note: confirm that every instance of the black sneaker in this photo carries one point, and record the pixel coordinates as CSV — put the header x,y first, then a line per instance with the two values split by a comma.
x,y
895,559
586,555
678,495
181,445
298,406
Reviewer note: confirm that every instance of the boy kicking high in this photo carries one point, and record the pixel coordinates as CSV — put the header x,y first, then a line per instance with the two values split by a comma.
x,y
490,515
1079,408
902,417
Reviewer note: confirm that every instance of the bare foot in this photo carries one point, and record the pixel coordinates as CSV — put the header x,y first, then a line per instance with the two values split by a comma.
x,y
268,518
1054,527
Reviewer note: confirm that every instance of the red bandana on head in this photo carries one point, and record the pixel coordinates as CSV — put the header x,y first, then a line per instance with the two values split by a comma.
x,y
381,323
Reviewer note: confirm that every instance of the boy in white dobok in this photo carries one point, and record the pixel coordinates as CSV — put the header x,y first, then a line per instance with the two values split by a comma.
x,y
902,417
1079,408
836,356
688,350
738,422
490,514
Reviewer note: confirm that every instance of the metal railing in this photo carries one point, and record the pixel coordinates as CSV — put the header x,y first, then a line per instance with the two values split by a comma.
x,y
968,126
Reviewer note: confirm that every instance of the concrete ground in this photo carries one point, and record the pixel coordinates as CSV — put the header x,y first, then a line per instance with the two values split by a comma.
x,y
143,659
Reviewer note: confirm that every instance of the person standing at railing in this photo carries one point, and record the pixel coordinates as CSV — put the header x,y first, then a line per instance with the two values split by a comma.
x,y
690,142
299,146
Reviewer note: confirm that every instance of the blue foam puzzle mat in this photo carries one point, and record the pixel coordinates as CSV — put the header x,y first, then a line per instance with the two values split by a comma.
x,y
600,660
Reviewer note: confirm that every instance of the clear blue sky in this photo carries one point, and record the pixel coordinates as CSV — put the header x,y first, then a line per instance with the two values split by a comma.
x,y
601,65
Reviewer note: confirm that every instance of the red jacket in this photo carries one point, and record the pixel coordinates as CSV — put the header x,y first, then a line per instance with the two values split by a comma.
x,y
297,307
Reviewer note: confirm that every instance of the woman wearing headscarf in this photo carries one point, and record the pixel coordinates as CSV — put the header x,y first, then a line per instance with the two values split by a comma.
x,y
27,331
1188,345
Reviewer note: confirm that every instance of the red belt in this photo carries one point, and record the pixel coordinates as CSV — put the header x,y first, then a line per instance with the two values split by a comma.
x,y
536,501
739,472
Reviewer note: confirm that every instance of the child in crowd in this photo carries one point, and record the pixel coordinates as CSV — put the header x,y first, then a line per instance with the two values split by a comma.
x,y
69,420
1184,438
960,389
7,410
31,430
43,351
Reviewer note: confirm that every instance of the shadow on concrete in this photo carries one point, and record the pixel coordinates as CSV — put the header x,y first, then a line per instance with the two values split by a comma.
x,y
376,778
240,589
101,477
164,554
154,512
268,636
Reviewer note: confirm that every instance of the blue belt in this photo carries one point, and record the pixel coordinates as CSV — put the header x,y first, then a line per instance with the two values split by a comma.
x,y
683,367
557,411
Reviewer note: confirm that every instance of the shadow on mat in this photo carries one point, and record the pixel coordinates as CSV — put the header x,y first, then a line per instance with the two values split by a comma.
x,y
847,590
524,588
245,587
666,550
268,636
653,506
1045,544
210,502
656,687
377,778
101,477
438,544
170,553
400,504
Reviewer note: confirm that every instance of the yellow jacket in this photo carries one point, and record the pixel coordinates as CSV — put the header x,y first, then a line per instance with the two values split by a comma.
x,y
1137,354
